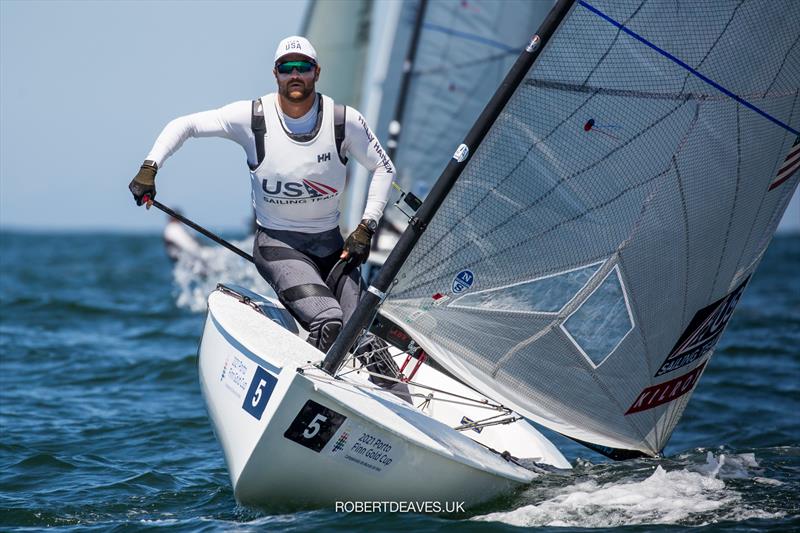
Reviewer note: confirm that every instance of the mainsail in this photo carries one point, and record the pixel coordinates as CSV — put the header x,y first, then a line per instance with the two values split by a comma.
x,y
585,263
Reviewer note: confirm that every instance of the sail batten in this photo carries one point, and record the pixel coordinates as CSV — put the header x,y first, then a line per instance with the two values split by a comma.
x,y
645,141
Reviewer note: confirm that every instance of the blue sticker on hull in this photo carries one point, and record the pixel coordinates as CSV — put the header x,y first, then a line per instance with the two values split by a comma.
x,y
259,392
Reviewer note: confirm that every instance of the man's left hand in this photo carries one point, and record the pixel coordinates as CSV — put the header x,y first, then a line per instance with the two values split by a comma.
x,y
357,245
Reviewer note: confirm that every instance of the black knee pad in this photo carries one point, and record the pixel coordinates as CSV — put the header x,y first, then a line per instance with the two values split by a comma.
x,y
325,334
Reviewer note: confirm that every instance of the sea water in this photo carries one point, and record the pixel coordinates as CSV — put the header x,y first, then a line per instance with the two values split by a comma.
x,y
102,425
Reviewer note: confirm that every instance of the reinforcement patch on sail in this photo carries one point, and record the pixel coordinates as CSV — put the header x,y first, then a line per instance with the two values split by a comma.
x,y
646,139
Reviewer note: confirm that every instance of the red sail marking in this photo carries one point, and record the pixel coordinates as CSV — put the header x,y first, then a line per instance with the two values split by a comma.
x,y
665,392
789,166
320,187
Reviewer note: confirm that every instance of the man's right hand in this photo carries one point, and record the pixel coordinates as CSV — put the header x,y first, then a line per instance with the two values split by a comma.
x,y
144,183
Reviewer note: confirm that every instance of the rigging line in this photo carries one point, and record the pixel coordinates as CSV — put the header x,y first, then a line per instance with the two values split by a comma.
x,y
477,403
360,368
340,383
687,67
471,37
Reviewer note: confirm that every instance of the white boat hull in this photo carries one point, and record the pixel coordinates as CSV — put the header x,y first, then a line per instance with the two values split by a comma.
x,y
295,438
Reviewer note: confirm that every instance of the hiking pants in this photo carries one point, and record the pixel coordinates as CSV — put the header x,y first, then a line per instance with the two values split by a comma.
x,y
298,267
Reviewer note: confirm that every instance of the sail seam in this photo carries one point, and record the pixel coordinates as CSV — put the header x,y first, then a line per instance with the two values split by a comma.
x,y
509,174
785,57
634,309
612,43
589,210
685,220
714,44
562,314
733,207
633,93
565,179
685,82
609,395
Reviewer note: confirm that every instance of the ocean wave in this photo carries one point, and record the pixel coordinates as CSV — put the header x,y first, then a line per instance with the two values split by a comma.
x,y
686,496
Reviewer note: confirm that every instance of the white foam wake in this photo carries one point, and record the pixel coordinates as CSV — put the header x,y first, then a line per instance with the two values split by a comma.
x,y
197,273
687,496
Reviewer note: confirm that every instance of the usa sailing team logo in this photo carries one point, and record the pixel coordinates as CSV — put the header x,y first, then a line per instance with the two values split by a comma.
x,y
297,190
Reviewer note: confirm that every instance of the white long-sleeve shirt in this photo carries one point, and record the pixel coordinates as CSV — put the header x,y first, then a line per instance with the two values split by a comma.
x,y
233,122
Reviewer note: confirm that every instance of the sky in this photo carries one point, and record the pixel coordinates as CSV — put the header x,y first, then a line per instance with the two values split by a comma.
x,y
86,87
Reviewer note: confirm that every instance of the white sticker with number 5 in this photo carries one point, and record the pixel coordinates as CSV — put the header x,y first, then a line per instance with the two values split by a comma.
x,y
313,426
257,395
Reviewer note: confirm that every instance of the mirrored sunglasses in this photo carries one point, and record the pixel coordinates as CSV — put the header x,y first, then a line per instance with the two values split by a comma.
x,y
301,66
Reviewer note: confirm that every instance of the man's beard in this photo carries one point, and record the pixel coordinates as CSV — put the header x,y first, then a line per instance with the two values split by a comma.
x,y
306,91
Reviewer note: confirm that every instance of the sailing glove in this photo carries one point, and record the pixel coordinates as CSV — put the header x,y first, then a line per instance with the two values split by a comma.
x,y
144,183
356,247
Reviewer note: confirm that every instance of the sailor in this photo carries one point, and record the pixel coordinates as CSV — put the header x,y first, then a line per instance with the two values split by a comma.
x,y
297,143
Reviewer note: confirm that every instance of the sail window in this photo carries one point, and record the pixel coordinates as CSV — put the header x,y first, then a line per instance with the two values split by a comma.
x,y
542,295
602,321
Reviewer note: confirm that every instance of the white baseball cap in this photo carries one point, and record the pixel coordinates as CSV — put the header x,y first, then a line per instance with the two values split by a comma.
x,y
295,45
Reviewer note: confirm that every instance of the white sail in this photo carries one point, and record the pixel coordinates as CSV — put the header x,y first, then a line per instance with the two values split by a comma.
x,y
340,32
378,77
464,50
588,258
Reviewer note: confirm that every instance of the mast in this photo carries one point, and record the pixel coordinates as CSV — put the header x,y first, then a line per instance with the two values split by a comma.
x,y
377,291
408,66
312,4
